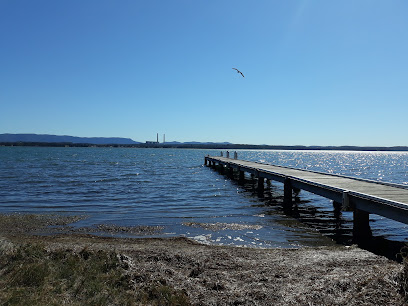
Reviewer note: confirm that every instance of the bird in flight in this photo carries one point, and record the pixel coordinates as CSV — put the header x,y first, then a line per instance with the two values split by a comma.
x,y
239,72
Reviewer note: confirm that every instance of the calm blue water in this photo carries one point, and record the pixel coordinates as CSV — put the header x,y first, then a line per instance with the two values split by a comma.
x,y
171,188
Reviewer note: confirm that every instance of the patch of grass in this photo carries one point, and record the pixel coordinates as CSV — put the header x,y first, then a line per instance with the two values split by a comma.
x,y
162,295
31,275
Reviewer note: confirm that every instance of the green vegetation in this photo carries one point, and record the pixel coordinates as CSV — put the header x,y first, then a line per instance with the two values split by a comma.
x,y
31,275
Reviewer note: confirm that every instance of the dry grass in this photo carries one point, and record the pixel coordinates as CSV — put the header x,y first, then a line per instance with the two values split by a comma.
x,y
85,271
232,276
403,276
31,275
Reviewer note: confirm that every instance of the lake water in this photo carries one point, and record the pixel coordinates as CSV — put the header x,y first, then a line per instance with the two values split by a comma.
x,y
171,188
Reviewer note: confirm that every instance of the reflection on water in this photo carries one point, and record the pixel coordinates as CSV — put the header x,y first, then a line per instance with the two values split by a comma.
x,y
172,189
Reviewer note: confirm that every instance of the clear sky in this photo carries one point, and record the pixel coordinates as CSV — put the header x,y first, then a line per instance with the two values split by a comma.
x,y
316,72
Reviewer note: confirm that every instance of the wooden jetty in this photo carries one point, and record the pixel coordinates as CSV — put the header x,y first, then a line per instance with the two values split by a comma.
x,y
361,196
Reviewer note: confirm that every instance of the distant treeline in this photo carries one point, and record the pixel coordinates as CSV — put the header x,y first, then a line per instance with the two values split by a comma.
x,y
221,146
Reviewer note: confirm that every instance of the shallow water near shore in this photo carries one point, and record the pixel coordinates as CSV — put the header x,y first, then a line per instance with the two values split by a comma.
x,y
171,190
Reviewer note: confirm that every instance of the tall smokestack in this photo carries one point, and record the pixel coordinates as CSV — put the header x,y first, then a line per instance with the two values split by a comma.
x,y
157,137
164,138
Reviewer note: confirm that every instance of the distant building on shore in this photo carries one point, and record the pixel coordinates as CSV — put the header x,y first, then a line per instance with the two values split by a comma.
x,y
157,140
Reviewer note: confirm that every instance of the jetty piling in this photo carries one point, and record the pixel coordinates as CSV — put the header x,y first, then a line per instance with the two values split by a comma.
x,y
241,175
363,197
287,195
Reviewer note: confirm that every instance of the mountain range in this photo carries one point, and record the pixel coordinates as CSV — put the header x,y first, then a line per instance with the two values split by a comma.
x,y
64,139
43,138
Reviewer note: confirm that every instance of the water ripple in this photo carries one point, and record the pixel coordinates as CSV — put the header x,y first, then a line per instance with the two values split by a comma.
x,y
166,187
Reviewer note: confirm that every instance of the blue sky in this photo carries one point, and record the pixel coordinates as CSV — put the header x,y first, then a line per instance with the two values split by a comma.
x,y
316,72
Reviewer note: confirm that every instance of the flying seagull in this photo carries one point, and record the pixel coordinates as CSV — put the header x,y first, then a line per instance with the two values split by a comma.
x,y
239,72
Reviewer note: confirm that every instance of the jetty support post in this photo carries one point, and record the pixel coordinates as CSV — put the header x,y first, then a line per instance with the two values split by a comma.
x,y
230,171
361,226
337,210
241,175
343,206
220,168
287,195
261,184
361,220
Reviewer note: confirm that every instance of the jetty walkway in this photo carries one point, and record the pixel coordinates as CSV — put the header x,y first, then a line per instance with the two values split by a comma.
x,y
361,196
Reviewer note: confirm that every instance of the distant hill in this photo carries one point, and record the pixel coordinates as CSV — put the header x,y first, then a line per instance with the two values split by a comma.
x,y
196,143
64,139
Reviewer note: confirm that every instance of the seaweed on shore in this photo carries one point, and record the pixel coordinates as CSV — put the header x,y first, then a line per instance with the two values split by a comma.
x,y
218,226
34,223
49,224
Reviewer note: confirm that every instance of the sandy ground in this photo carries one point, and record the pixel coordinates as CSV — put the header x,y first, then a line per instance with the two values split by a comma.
x,y
216,275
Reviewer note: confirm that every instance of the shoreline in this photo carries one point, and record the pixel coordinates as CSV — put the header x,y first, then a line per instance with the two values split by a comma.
x,y
203,146
221,275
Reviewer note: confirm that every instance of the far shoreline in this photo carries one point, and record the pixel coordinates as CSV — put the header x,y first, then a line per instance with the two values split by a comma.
x,y
209,146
